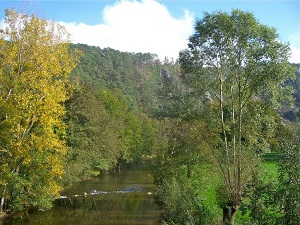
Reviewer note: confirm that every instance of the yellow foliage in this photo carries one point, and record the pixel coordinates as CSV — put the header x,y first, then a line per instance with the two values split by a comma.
x,y
35,64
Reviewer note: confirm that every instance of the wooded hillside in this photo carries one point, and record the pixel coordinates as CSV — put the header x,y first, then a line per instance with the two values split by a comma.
x,y
110,114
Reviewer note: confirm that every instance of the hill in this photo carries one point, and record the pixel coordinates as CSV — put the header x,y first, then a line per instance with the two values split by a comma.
x,y
109,115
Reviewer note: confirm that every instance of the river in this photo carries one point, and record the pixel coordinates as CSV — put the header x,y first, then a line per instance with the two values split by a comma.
x,y
119,197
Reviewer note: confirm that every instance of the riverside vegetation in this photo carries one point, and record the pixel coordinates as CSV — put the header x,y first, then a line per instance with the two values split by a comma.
x,y
70,111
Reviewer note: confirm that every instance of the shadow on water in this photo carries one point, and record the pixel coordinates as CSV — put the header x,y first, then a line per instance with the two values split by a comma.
x,y
124,197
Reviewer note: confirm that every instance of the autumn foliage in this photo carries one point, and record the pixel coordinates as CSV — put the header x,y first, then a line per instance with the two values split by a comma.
x,y
35,63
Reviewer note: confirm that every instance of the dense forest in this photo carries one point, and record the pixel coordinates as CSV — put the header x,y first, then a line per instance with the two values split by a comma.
x,y
110,110
212,122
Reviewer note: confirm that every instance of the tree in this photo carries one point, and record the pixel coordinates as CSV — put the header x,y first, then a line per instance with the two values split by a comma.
x,y
239,62
35,63
182,175
95,120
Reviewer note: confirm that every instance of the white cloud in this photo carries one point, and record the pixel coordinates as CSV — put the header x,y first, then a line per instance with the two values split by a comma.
x,y
2,24
295,56
137,26
295,47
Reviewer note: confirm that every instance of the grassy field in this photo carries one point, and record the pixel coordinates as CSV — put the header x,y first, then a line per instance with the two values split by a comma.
x,y
271,169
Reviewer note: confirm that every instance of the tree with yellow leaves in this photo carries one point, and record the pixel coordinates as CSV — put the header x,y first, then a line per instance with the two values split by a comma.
x,y
35,64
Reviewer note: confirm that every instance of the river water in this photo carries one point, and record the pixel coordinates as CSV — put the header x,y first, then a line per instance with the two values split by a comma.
x,y
120,197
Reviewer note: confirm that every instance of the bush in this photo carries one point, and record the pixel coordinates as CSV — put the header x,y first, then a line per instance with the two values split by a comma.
x,y
181,204
289,183
261,201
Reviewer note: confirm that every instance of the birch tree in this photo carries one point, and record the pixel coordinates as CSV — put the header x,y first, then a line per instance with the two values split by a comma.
x,y
240,63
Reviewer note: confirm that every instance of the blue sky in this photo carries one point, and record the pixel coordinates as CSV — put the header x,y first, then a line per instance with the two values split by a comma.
x,y
161,26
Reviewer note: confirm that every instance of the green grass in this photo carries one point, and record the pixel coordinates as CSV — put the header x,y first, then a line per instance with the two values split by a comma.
x,y
272,169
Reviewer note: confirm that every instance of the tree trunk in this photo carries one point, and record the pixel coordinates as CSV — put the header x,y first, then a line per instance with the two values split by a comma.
x,y
229,212
2,199
1,206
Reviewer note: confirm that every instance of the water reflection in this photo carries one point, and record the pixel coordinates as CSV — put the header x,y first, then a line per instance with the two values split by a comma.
x,y
117,198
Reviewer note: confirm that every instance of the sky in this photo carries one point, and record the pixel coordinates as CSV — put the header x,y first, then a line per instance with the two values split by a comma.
x,y
160,27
